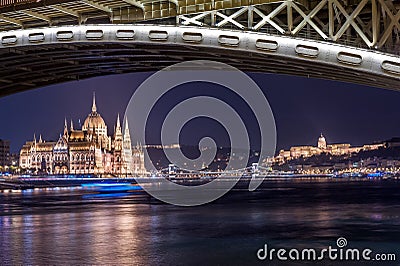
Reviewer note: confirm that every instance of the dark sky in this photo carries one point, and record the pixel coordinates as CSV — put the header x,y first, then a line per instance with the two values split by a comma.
x,y
303,108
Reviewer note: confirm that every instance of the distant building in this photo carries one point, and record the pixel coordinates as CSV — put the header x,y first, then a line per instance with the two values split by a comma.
x,y
304,151
4,152
322,147
321,142
88,150
339,149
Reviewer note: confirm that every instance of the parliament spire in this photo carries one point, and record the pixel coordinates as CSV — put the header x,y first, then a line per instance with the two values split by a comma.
x,y
94,108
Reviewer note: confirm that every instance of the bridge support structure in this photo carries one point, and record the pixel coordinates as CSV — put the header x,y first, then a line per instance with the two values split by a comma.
x,y
361,23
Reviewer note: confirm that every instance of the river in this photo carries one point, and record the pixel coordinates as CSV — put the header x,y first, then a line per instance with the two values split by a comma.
x,y
78,227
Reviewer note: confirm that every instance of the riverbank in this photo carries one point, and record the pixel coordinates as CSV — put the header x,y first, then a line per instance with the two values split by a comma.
x,y
24,183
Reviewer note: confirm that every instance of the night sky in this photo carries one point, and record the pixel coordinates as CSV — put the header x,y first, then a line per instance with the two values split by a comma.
x,y
303,108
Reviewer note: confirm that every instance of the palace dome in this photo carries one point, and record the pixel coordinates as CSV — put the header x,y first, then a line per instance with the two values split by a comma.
x,y
322,142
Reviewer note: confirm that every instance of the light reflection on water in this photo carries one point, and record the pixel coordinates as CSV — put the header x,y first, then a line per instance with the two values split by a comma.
x,y
78,227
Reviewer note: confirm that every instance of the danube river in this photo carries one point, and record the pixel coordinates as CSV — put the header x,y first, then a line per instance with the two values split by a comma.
x,y
78,227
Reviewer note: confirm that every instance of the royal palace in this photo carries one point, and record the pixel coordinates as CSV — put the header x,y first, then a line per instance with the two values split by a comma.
x,y
88,150
338,149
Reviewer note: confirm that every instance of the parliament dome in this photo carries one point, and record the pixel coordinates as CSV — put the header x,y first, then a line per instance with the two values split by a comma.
x,y
94,119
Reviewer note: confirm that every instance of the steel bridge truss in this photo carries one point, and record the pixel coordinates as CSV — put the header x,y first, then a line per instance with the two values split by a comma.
x,y
370,23
361,23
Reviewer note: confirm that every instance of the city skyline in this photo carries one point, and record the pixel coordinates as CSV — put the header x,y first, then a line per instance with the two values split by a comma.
x,y
344,112
204,132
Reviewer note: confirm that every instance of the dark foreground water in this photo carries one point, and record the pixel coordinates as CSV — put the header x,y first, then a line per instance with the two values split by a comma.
x,y
73,226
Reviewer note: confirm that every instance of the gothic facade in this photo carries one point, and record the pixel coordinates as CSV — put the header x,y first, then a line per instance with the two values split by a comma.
x,y
88,150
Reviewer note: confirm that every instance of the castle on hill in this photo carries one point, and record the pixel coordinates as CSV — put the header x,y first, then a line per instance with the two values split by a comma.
x,y
337,149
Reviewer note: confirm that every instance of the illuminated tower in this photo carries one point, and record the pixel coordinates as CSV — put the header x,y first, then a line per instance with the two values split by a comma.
x,y
118,165
127,149
118,136
65,133
322,142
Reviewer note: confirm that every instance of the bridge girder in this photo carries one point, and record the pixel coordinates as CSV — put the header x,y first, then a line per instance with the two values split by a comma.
x,y
361,23
37,57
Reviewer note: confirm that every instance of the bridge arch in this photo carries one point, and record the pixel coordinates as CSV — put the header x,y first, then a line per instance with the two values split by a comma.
x,y
37,57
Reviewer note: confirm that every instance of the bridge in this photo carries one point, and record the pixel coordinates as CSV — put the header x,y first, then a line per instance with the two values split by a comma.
x,y
45,42
175,172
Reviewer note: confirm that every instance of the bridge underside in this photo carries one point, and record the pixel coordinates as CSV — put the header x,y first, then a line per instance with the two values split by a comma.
x,y
23,69
36,58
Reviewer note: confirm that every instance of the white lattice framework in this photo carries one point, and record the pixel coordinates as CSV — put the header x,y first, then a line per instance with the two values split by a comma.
x,y
366,23
372,23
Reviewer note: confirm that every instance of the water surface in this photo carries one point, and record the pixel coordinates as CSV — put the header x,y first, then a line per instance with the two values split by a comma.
x,y
74,226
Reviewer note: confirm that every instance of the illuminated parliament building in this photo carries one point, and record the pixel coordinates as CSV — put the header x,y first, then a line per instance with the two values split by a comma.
x,y
88,150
